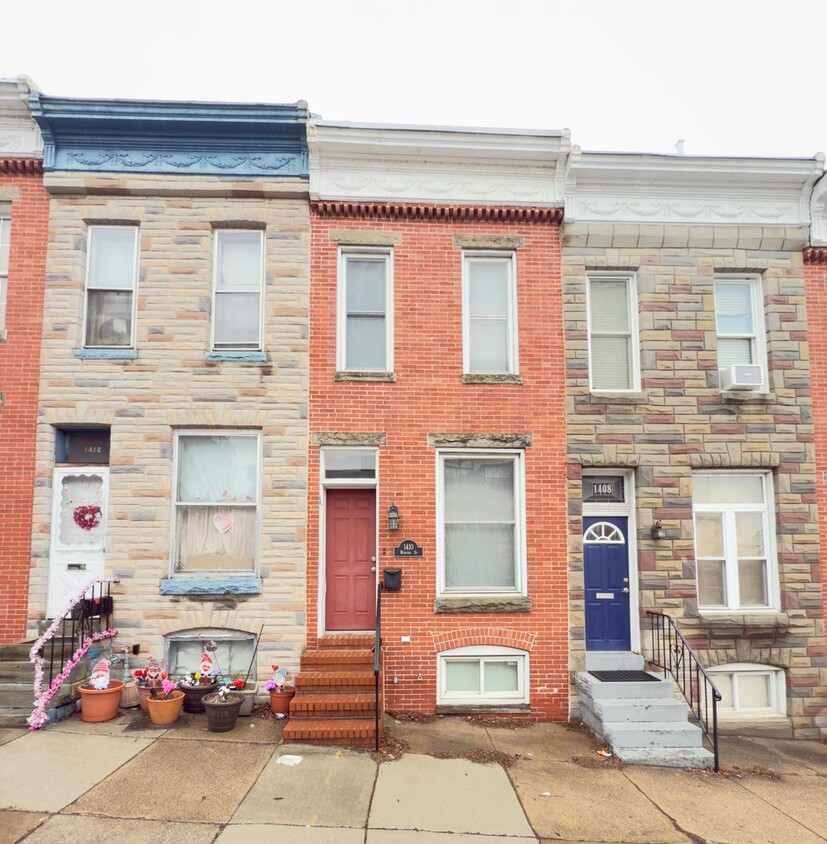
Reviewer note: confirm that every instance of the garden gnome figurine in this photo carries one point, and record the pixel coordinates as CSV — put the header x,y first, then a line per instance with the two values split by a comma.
x,y
100,675
206,663
153,672
280,677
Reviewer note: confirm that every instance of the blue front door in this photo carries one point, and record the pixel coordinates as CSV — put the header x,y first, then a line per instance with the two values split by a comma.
x,y
606,575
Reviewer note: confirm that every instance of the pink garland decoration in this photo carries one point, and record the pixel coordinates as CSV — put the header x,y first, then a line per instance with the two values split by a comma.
x,y
42,697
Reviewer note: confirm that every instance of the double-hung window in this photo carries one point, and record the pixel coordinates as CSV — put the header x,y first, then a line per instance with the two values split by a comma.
x,y
739,322
734,541
365,319
216,502
111,279
614,348
489,309
5,232
239,284
481,523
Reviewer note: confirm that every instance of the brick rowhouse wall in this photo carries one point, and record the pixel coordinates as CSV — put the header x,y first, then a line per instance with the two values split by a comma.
x,y
429,397
19,375
815,280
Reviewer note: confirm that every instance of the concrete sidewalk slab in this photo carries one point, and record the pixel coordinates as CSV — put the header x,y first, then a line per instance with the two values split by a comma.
x,y
68,829
52,769
406,836
216,779
14,825
193,727
10,735
446,795
247,833
595,804
745,753
330,787
125,724
812,754
801,797
551,742
444,735
717,809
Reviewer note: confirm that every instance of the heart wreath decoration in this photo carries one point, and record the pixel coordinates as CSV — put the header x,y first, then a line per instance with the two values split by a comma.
x,y
87,516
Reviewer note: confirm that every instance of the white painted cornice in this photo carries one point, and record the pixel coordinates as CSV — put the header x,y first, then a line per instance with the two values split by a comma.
x,y
372,162
19,135
818,213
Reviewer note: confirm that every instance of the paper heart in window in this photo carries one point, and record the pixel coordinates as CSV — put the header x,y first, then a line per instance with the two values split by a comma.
x,y
223,522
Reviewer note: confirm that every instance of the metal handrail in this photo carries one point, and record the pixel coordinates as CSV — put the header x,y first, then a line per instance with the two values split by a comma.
x,y
672,653
377,652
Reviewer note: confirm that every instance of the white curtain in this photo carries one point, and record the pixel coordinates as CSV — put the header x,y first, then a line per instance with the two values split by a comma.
x,y
218,469
112,258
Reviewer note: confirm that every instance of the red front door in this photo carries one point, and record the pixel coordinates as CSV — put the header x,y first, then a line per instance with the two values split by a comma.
x,y
350,559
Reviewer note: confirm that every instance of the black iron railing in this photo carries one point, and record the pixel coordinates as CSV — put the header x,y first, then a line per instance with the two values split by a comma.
x,y
377,661
91,615
672,653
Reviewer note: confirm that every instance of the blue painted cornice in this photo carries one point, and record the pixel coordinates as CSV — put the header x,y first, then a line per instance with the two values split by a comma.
x,y
150,136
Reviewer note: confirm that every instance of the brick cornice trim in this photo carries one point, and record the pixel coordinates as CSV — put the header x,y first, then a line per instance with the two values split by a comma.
x,y
814,255
439,213
21,166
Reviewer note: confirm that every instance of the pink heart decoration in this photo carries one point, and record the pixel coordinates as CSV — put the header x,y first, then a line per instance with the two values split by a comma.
x,y
223,522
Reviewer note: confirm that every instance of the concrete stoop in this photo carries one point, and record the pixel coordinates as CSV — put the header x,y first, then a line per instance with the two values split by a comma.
x,y
641,720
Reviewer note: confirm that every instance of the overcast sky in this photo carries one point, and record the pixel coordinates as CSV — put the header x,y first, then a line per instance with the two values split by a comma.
x,y
731,77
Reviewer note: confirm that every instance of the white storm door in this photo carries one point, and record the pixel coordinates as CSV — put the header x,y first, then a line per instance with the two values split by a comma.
x,y
78,532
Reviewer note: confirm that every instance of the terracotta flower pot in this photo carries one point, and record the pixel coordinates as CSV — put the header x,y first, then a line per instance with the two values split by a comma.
x,y
130,696
101,704
164,711
143,694
222,714
280,701
193,696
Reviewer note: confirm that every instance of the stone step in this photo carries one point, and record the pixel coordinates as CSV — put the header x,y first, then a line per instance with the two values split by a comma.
x,y
14,716
613,661
598,690
17,694
672,757
664,735
639,710
15,651
349,732
335,658
341,680
346,706
16,672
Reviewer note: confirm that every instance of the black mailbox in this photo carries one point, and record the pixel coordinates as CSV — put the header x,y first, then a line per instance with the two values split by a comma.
x,y
392,579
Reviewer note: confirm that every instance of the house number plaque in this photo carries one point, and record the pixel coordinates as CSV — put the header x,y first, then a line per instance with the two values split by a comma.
x,y
607,489
407,548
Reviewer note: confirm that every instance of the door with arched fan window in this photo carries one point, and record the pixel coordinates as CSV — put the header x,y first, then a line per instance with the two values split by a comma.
x,y
606,576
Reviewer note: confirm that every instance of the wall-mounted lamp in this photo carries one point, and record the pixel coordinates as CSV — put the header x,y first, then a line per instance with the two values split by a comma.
x,y
393,518
658,531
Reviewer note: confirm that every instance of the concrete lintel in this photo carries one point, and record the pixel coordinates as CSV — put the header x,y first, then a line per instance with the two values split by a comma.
x,y
359,237
348,438
489,241
480,440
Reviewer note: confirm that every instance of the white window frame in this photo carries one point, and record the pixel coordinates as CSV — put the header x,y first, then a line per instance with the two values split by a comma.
x,y
520,577
633,334
173,551
778,690
136,230
485,653
242,347
345,254
758,338
512,340
218,635
5,256
731,548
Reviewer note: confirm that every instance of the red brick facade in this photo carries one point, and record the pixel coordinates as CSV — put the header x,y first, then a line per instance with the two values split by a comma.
x,y
429,397
19,373
815,279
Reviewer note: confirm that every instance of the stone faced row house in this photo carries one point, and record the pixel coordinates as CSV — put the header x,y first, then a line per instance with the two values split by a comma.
x,y
283,359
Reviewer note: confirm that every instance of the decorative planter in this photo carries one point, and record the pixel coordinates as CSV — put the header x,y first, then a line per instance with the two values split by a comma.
x,y
249,695
222,714
193,696
280,701
164,711
143,694
100,704
129,697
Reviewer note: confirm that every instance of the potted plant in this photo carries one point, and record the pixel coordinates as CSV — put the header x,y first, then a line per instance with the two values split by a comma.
x,y
222,709
165,704
148,678
195,687
101,696
280,695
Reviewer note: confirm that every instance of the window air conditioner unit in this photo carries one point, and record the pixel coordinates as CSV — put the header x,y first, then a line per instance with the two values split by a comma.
x,y
742,376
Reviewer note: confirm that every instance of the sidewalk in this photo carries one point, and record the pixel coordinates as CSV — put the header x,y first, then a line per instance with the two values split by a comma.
x,y
79,782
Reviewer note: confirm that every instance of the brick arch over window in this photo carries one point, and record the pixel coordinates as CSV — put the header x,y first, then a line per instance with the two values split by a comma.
x,y
470,636
192,621
748,653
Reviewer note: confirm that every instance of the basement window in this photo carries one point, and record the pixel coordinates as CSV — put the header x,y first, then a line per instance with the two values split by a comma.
x,y
232,654
749,690
482,676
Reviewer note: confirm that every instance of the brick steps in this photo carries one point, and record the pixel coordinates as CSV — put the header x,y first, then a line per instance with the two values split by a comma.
x,y
335,687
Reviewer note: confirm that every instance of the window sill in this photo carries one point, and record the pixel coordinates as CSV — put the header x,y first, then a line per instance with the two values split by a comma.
x,y
346,375
736,618
243,585
251,356
106,354
483,604
491,378
630,396
483,708
747,397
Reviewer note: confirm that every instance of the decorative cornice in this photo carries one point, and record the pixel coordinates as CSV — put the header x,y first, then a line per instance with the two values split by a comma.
x,y
21,166
439,213
815,255
148,136
818,213
19,135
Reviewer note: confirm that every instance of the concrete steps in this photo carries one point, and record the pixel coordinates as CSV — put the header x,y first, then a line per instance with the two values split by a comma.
x,y
642,720
16,678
